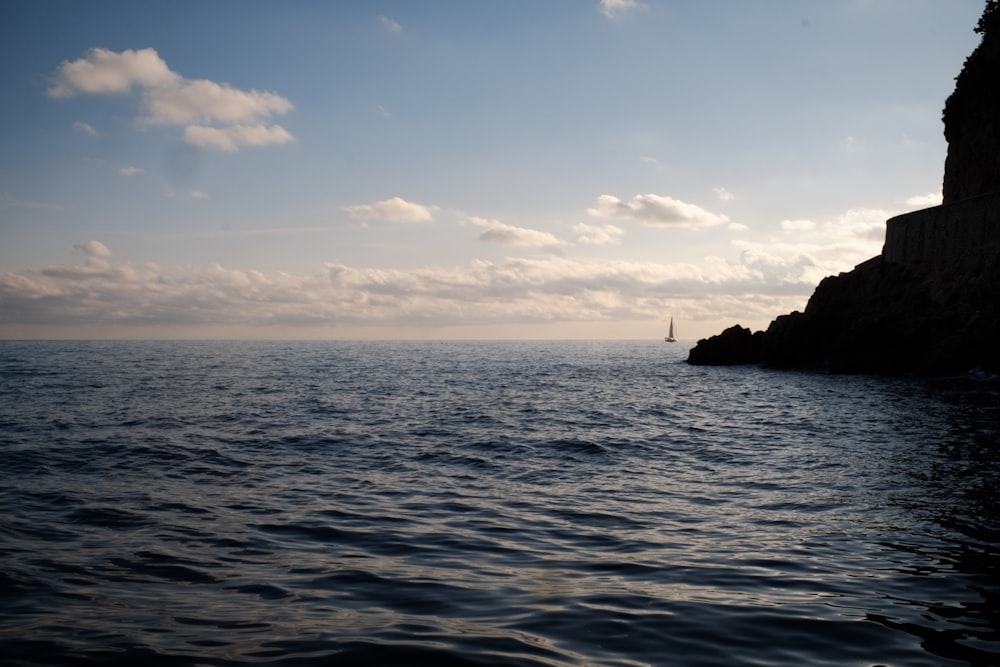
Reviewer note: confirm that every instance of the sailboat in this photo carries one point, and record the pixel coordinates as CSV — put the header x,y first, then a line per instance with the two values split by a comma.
x,y
670,332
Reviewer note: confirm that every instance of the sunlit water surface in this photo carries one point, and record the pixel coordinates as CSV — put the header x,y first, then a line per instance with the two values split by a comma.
x,y
488,503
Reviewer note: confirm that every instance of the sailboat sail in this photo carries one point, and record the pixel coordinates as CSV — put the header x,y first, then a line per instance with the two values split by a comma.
x,y
670,338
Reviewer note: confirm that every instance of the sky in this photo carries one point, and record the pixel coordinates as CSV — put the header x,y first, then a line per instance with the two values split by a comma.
x,y
454,169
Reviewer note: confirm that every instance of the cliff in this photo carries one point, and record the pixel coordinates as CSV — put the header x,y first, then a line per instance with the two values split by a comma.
x,y
971,115
929,303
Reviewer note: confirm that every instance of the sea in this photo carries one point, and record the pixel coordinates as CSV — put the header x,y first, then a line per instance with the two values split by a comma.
x,y
501,503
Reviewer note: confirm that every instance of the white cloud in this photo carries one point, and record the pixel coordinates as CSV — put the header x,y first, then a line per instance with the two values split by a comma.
x,y
657,211
723,194
131,171
806,251
865,224
93,249
767,278
204,101
598,234
612,8
773,266
86,128
198,194
542,290
382,111
217,115
395,209
104,71
504,234
798,225
651,161
925,201
230,138
737,227
389,24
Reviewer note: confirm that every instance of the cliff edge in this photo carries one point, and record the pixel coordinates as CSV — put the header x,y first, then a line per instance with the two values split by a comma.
x,y
972,117
930,303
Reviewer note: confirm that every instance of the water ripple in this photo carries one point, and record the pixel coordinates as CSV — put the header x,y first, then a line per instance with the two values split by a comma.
x,y
535,504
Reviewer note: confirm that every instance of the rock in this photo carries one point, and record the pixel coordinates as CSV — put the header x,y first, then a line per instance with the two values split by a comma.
x,y
735,345
789,342
971,115
882,317
928,304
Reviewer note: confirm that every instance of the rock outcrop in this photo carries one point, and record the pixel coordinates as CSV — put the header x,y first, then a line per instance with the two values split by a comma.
x,y
889,317
971,115
735,345
930,303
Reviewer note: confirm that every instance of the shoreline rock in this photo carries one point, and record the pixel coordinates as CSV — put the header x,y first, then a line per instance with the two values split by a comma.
x,y
882,317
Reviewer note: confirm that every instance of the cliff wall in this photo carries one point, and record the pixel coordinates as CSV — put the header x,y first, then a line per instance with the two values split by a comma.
x,y
930,303
971,113
964,231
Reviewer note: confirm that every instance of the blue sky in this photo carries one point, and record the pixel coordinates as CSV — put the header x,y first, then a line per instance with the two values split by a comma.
x,y
488,169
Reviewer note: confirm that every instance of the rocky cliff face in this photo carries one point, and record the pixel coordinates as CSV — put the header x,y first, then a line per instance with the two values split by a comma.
x,y
930,303
885,317
882,317
972,118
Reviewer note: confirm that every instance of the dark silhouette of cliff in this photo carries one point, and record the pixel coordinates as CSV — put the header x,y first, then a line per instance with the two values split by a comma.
x,y
930,303
971,115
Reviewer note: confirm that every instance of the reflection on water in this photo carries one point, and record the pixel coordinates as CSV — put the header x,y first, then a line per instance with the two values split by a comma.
x,y
958,491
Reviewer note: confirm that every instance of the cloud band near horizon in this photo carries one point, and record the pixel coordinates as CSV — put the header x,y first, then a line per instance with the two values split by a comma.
x,y
545,289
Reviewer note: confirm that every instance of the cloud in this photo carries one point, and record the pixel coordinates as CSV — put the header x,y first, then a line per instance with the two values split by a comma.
x,y
198,194
598,234
93,249
613,8
504,234
723,194
657,211
131,171
765,278
204,101
395,209
389,24
86,128
806,251
230,138
737,227
104,71
925,201
797,225
216,115
531,290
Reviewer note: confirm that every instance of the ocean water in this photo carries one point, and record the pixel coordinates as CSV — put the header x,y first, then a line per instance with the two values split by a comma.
x,y
488,503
